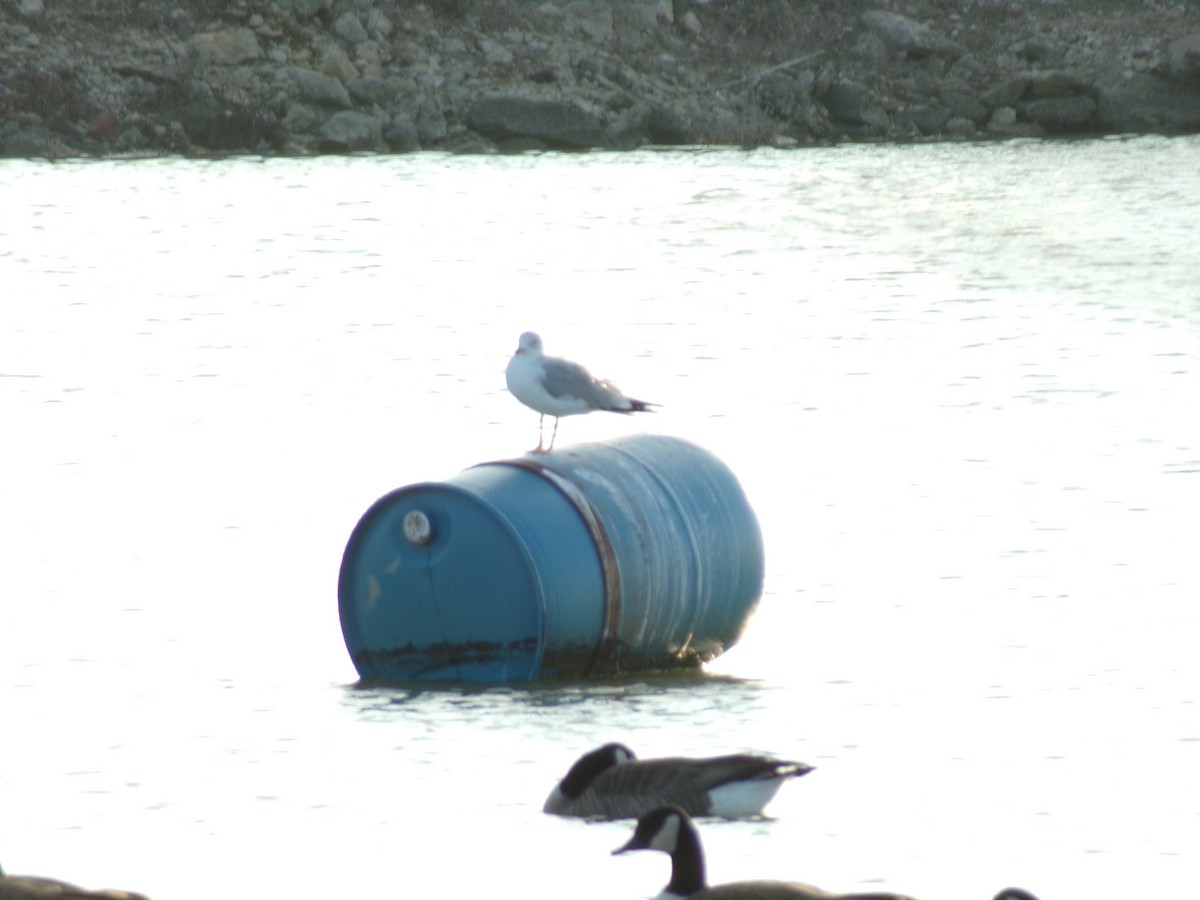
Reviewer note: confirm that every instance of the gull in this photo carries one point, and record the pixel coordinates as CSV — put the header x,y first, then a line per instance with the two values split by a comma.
x,y
558,387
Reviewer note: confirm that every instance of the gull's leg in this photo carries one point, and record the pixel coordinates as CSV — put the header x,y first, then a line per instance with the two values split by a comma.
x,y
554,434
538,448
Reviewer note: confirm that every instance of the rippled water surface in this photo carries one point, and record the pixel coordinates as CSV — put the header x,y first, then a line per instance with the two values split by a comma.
x,y
959,383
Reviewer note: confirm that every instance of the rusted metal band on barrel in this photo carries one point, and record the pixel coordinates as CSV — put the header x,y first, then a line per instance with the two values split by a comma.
x,y
609,569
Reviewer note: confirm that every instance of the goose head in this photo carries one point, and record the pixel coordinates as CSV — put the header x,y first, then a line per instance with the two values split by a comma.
x,y
670,830
588,766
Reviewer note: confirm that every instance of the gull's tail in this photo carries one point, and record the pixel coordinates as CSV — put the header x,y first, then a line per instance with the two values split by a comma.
x,y
638,406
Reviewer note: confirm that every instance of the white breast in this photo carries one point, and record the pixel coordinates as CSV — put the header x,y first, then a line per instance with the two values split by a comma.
x,y
743,799
524,377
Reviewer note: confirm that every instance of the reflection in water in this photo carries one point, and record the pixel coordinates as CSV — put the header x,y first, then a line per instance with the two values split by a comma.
x,y
637,703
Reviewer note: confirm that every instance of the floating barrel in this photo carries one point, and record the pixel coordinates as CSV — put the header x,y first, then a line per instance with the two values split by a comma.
x,y
630,555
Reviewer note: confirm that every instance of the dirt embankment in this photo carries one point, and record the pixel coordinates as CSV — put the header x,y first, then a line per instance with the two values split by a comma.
x,y
310,76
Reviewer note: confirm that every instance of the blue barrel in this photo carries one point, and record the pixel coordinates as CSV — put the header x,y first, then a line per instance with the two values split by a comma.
x,y
630,555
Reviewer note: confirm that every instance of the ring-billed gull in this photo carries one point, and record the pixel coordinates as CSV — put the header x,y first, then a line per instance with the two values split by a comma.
x,y
559,387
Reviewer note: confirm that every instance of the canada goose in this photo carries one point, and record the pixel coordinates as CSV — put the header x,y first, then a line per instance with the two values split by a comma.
x,y
558,387
670,830
612,783
28,887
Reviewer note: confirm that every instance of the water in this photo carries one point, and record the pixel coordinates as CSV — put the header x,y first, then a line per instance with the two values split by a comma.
x,y
959,384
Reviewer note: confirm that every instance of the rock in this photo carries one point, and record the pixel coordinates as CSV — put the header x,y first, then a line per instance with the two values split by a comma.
x,y
870,47
306,9
958,127
371,91
1007,93
784,95
194,105
1002,118
105,127
853,104
301,118
470,143
559,124
1003,123
928,120
1034,84
495,54
402,136
226,48
651,13
431,123
349,28
521,144
649,123
1149,103
903,35
1039,51
1056,83
1066,113
323,90
31,9
335,63
222,120
347,131
1183,59
378,25
34,141
130,140
369,57
962,101
593,18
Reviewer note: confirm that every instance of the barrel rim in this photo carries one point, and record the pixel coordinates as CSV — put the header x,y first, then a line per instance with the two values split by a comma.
x,y
346,574
610,570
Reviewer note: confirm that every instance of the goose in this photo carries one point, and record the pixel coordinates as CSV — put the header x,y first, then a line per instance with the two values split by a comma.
x,y
672,831
558,387
612,783
29,887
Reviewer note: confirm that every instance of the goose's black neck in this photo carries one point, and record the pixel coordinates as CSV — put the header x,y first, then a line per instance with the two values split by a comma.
x,y
585,770
687,862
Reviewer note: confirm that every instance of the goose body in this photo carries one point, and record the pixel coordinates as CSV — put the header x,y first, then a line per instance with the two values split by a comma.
x,y
670,830
558,387
28,887
612,783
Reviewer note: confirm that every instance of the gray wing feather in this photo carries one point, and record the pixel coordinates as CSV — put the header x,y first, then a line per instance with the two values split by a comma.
x,y
718,770
635,788
564,378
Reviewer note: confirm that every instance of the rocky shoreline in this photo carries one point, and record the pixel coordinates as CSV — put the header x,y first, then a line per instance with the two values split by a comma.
x,y
301,77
